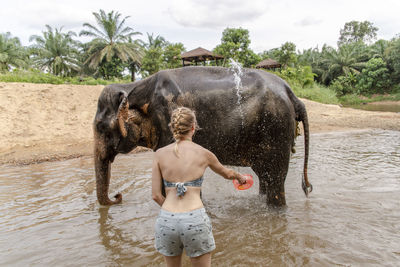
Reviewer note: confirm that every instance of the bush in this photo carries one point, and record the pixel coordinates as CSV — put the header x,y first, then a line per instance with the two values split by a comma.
x,y
344,85
374,78
301,75
36,76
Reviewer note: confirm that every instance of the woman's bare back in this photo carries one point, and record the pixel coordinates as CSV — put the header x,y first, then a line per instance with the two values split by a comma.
x,y
189,164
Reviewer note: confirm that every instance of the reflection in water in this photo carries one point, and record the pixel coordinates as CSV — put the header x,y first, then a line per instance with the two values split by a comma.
x,y
378,107
49,213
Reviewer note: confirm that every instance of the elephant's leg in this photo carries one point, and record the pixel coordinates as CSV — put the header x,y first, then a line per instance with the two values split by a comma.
x,y
271,170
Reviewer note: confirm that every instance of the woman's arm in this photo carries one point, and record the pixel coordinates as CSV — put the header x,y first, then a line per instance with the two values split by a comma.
x,y
217,167
156,182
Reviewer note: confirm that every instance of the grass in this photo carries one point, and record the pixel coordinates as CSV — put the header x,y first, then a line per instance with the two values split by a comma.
x,y
33,76
316,92
325,95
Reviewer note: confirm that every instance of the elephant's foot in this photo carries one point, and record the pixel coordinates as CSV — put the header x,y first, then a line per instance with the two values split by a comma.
x,y
276,199
107,202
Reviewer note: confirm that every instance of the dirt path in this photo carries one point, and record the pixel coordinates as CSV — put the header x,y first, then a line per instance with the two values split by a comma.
x,y
48,122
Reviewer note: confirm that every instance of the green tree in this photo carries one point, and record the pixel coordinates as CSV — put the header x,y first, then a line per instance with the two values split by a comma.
x,y
135,64
340,62
56,52
272,54
155,42
152,61
286,54
111,69
111,40
344,85
12,54
374,78
392,56
235,45
312,57
172,55
356,31
251,59
377,50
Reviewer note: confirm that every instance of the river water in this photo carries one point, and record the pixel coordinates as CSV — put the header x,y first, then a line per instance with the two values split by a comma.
x,y
49,215
386,107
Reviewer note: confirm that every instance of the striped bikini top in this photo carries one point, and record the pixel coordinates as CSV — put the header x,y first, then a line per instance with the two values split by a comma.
x,y
181,187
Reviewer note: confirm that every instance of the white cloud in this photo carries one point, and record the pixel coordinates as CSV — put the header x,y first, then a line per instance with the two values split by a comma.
x,y
309,21
211,13
194,23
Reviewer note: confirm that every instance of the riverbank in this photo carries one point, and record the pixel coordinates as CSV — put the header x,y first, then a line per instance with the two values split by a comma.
x,y
43,122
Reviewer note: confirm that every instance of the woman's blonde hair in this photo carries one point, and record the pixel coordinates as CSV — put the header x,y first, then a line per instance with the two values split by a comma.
x,y
182,121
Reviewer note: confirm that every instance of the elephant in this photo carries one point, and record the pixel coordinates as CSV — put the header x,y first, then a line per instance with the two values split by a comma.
x,y
253,125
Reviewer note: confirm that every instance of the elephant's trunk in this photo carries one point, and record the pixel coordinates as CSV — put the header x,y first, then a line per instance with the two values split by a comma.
x,y
103,169
102,164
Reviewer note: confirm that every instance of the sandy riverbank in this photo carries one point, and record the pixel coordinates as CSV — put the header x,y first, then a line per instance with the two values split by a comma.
x,y
48,122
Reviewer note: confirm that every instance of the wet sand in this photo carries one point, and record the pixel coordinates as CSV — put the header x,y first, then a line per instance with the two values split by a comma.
x,y
45,122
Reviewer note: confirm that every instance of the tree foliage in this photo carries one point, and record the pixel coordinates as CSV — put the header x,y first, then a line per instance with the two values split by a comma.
x,y
342,61
356,31
172,55
235,45
152,61
356,66
56,52
392,56
374,78
112,39
155,42
286,54
12,54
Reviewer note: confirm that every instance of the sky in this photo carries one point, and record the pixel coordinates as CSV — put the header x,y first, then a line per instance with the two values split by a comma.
x,y
200,23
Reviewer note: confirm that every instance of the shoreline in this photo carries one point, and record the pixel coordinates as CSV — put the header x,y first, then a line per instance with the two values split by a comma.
x,y
46,122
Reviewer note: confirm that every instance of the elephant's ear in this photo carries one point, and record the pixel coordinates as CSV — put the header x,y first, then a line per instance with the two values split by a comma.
x,y
123,114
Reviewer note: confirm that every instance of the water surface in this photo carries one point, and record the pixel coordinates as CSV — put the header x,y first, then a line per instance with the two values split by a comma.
x,y
378,107
49,214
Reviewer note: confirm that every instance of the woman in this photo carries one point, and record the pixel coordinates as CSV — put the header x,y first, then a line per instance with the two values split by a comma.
x,y
183,222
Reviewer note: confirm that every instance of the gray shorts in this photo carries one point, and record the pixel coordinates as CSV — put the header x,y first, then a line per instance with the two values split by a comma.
x,y
191,231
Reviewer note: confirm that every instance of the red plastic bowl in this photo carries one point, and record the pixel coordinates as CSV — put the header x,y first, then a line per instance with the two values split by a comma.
x,y
247,185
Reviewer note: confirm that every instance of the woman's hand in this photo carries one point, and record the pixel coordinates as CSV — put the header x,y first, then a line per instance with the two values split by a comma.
x,y
241,178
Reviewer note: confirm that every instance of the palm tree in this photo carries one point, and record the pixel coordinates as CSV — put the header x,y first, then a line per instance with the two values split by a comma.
x,y
135,64
377,50
312,57
12,53
155,42
111,40
343,61
56,52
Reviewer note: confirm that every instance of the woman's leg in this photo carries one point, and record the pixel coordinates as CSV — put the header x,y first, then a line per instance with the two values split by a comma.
x,y
202,261
173,261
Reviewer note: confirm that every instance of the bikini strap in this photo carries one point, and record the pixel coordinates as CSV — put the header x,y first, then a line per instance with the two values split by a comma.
x,y
181,187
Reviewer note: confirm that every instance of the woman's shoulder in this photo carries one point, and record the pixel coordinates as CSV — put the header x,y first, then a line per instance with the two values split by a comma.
x,y
164,149
204,151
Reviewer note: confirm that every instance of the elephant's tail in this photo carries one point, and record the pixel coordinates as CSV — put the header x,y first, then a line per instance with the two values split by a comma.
x,y
302,116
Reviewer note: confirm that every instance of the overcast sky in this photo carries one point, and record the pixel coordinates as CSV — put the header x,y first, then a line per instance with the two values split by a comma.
x,y
307,23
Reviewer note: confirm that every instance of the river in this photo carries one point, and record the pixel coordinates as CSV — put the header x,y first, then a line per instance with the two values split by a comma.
x,y
50,217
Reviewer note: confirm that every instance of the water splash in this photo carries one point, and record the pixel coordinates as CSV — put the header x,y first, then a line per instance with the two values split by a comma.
x,y
237,70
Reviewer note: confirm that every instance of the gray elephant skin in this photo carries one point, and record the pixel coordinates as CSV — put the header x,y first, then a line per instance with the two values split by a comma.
x,y
259,133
